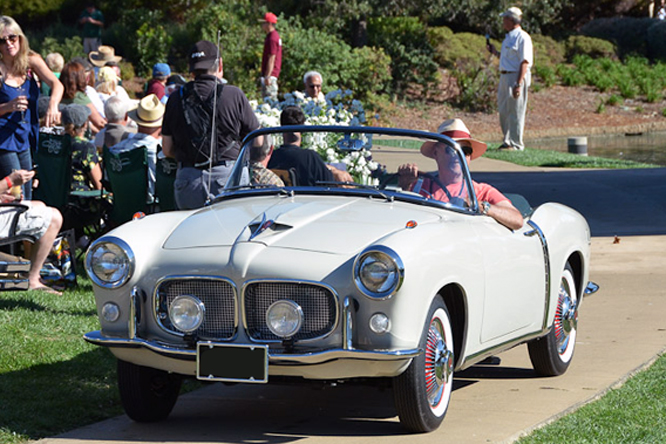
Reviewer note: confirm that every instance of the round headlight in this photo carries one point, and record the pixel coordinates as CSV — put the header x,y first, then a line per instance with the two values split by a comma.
x,y
284,318
378,272
186,313
110,263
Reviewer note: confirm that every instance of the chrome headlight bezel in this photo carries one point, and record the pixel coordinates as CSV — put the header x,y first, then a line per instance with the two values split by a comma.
x,y
391,263
291,308
194,303
122,251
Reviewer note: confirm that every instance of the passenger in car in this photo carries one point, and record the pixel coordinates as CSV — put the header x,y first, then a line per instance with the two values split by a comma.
x,y
309,167
448,184
260,155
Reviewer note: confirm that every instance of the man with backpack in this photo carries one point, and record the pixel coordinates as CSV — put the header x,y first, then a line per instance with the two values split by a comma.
x,y
206,144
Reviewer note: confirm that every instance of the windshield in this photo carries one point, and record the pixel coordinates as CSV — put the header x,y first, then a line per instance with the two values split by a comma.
x,y
400,164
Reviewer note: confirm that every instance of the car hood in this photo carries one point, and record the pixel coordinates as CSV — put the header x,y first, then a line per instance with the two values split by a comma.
x,y
332,224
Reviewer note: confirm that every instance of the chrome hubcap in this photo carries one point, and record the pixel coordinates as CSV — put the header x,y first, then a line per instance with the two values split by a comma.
x,y
438,363
566,317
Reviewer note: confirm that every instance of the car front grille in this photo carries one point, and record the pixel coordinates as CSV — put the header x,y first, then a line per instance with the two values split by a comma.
x,y
218,297
318,304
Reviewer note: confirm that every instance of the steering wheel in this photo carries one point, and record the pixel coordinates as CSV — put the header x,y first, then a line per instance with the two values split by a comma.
x,y
387,179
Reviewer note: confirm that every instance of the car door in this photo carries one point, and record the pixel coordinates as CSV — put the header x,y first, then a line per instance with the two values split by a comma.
x,y
515,281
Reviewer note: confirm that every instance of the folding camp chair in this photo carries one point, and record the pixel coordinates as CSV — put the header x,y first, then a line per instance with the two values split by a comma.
x,y
128,177
165,175
54,172
13,269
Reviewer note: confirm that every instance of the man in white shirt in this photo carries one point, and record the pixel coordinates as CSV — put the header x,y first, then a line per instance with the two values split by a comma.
x,y
116,128
516,60
313,82
148,117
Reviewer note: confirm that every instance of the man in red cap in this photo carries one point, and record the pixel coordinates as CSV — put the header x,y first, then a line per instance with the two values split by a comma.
x,y
271,61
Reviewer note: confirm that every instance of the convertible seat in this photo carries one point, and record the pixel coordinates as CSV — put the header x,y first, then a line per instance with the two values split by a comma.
x,y
521,204
287,176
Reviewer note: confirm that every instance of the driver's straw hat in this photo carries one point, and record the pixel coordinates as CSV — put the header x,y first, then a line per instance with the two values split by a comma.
x,y
456,130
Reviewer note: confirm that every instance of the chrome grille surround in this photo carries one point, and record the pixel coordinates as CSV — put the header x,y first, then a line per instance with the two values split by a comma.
x,y
218,296
318,301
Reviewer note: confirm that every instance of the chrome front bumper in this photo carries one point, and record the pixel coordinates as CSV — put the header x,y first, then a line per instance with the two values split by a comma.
x,y
274,358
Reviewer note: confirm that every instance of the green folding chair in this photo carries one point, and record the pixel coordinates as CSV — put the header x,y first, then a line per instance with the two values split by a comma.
x,y
128,177
53,158
54,170
165,175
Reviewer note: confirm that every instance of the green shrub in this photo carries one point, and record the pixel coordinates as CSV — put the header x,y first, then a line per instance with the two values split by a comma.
x,y
404,39
614,100
140,36
71,47
570,75
439,37
241,41
547,51
627,87
590,46
453,48
478,86
546,75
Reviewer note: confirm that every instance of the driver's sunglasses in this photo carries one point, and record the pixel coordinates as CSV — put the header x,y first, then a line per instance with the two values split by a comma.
x,y
466,148
10,38
314,86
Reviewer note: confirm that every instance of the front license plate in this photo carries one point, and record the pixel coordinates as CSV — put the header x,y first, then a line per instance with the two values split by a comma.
x,y
235,363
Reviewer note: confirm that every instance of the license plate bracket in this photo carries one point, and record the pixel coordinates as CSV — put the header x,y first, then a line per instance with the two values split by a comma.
x,y
232,362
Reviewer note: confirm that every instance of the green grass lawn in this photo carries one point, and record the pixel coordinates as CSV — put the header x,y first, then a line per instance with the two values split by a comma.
x,y
51,380
634,413
536,158
545,158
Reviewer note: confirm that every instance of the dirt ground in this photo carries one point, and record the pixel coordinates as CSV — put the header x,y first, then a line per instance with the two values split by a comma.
x,y
554,112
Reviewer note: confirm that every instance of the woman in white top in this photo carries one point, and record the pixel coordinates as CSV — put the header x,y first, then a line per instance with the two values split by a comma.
x,y
107,85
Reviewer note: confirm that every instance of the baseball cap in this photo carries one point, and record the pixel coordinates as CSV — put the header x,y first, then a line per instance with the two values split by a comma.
x,y
161,70
270,18
202,55
77,115
512,12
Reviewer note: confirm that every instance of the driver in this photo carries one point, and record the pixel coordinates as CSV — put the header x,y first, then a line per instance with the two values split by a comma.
x,y
448,184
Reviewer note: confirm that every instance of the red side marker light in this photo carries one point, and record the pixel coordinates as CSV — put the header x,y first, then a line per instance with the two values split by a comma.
x,y
411,224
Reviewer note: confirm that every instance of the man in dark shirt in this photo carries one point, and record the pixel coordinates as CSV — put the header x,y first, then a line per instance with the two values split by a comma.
x,y
309,166
205,165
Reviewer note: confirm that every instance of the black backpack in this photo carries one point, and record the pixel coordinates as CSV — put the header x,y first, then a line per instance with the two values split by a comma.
x,y
199,118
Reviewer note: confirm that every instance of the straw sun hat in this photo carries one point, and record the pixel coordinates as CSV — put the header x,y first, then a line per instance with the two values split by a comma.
x,y
456,130
104,54
149,113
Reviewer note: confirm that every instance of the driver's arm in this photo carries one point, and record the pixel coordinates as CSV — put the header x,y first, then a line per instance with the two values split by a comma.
x,y
505,213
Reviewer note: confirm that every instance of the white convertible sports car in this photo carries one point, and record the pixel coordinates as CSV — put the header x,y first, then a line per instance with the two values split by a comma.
x,y
335,281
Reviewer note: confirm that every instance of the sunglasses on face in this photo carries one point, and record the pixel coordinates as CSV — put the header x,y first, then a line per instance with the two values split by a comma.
x,y
10,38
467,149
314,86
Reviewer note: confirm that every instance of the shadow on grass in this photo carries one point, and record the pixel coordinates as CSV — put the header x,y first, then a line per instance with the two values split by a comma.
x,y
49,399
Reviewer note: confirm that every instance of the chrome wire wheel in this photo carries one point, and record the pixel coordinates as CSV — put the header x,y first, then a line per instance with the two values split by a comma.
x,y
423,391
565,325
552,353
438,364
